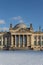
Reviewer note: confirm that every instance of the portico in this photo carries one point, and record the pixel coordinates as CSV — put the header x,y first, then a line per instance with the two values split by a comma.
x,y
20,40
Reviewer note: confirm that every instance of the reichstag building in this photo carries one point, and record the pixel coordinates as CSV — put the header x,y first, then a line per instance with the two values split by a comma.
x,y
21,37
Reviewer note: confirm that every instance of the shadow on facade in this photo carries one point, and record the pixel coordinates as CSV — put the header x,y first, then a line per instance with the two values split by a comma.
x,y
7,40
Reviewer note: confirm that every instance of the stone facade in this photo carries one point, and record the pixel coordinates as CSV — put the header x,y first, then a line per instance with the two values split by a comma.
x,y
21,37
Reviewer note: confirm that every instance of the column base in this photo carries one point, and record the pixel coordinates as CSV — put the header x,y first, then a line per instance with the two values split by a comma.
x,y
23,45
11,45
19,45
15,46
27,45
2,46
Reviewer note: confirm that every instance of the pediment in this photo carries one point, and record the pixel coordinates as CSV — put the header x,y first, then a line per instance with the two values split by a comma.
x,y
22,30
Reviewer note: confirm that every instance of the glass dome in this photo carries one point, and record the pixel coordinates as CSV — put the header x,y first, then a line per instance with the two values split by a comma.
x,y
20,25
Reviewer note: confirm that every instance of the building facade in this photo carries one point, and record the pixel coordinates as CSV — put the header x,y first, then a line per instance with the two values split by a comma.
x,y
21,37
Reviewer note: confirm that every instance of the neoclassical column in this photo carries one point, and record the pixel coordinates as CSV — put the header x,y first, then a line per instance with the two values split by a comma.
x,y
19,40
27,41
41,40
37,40
23,41
5,40
15,41
2,41
11,40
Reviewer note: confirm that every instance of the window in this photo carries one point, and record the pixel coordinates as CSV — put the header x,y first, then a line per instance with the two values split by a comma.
x,y
39,43
25,40
0,42
21,40
17,38
42,42
39,37
42,37
35,37
0,37
35,43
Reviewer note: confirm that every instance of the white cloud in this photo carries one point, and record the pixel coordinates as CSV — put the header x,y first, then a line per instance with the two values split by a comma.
x,y
2,22
16,18
19,18
4,29
21,21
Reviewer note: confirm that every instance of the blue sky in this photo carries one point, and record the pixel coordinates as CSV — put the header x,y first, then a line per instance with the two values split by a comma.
x,y
29,11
